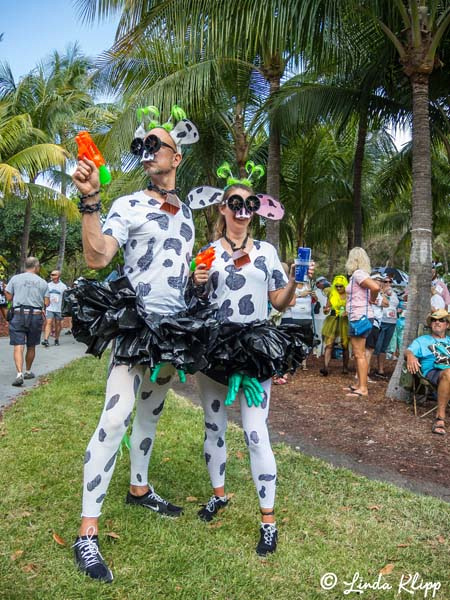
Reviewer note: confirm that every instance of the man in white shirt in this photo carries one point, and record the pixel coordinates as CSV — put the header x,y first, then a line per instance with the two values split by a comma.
x,y
321,289
54,295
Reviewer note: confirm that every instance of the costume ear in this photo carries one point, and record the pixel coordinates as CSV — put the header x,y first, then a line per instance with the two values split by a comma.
x,y
204,196
270,208
184,132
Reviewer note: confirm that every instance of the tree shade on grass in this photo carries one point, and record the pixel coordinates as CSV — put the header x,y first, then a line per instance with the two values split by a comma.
x,y
329,519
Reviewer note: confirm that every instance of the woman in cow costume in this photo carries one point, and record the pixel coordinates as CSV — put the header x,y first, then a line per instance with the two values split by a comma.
x,y
246,274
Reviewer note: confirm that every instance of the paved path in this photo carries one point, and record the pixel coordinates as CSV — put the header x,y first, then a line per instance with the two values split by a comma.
x,y
47,360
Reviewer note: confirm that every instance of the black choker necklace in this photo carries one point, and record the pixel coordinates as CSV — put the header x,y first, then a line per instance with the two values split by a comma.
x,y
151,186
233,245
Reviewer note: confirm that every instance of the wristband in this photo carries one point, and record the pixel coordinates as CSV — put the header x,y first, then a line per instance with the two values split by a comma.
x,y
89,208
91,195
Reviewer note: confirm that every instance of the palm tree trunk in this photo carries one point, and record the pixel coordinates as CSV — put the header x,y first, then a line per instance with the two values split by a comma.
x,y
26,233
240,141
421,230
273,164
63,226
332,260
357,175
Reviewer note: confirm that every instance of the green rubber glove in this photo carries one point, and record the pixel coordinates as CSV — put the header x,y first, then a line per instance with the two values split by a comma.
x,y
234,383
253,391
157,369
154,374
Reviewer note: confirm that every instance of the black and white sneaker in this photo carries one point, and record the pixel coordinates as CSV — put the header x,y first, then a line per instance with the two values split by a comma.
x,y
89,559
29,375
56,342
268,539
153,501
210,510
45,343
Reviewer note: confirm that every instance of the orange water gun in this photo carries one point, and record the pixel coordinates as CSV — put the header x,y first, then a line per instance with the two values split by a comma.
x,y
87,149
204,258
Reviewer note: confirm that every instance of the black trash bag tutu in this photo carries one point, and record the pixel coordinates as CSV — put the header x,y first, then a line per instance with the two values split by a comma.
x,y
258,349
103,311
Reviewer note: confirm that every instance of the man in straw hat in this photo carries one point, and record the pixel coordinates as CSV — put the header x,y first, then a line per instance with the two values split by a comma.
x,y
430,354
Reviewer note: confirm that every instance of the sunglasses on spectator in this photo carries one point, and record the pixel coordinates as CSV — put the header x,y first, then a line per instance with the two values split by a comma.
x,y
53,274
443,320
338,286
387,280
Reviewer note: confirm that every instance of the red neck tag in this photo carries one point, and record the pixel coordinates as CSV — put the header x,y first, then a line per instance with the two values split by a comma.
x,y
240,258
171,204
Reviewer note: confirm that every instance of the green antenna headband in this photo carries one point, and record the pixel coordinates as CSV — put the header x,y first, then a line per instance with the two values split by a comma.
x,y
254,172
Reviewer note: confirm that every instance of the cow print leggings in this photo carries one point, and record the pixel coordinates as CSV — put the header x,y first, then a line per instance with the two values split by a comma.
x,y
122,388
254,423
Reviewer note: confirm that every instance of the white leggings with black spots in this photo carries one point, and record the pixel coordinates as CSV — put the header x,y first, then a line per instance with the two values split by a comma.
x,y
256,434
122,388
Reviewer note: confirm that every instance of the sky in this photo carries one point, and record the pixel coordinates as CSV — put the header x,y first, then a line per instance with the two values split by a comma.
x,y
32,29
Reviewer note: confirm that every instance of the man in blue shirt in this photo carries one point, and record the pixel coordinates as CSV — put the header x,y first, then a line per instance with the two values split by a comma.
x,y
431,355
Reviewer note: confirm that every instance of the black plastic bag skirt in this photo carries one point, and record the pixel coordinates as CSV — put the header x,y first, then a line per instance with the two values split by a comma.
x,y
258,349
103,311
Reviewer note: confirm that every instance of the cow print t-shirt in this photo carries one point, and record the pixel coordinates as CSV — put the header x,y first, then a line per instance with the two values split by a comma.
x,y
242,293
157,249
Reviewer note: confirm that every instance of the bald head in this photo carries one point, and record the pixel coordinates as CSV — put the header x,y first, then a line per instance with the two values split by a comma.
x,y
164,136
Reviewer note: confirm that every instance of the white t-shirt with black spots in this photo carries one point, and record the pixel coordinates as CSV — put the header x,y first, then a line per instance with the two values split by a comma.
x,y
242,293
157,249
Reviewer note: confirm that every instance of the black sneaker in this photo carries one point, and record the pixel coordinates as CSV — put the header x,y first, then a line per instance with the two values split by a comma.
x,y
29,375
268,540
45,343
153,501
18,381
56,342
89,559
210,510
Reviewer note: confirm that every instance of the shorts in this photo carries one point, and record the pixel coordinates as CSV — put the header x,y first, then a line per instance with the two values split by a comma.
x,y
434,376
372,337
25,330
384,338
51,314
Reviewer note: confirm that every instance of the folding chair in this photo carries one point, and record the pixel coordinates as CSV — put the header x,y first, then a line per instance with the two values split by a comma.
x,y
422,389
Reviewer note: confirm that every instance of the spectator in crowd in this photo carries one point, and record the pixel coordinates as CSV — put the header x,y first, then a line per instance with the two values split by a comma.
x,y
27,294
322,289
336,322
436,300
54,295
387,326
395,347
380,303
439,284
362,292
3,300
430,354
301,312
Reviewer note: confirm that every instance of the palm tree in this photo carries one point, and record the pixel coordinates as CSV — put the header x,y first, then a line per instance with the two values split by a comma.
x,y
23,155
416,30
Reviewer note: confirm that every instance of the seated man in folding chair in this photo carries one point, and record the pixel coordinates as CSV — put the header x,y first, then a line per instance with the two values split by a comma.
x,y
429,355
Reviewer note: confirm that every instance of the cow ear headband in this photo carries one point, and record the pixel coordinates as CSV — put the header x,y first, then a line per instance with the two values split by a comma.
x,y
183,133
261,204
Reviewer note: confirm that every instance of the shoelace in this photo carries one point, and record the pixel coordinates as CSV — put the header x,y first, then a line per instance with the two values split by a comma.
x,y
90,552
269,533
211,505
157,497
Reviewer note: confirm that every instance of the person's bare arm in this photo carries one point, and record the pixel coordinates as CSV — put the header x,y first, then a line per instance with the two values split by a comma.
x,y
372,286
98,249
8,296
412,362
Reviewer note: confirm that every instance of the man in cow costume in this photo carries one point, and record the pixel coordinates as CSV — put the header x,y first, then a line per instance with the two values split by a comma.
x,y
156,231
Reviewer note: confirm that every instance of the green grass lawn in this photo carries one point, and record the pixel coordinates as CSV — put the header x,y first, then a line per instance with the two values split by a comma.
x,y
329,519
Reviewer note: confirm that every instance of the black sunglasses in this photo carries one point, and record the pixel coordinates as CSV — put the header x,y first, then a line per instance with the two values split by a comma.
x,y
151,144
443,320
236,203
